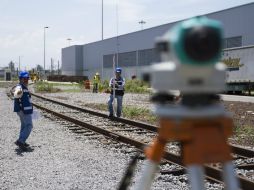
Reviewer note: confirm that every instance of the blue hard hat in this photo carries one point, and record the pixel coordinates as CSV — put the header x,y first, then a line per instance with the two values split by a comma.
x,y
23,74
118,70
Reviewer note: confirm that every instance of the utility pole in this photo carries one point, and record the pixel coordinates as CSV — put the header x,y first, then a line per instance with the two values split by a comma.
x,y
69,39
141,23
58,71
52,67
117,35
44,52
101,19
19,63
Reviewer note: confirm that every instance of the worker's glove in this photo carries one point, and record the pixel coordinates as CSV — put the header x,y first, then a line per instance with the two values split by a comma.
x,y
18,92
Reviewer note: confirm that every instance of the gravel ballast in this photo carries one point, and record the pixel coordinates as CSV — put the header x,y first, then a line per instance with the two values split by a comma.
x,y
242,112
59,159
140,100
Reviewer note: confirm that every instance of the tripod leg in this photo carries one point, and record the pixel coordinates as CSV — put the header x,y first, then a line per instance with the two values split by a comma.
x,y
196,177
230,179
147,175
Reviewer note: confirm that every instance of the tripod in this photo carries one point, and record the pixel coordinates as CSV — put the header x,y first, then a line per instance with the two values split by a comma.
x,y
202,126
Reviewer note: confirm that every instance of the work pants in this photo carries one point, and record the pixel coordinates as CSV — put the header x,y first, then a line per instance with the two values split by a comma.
x,y
119,105
26,126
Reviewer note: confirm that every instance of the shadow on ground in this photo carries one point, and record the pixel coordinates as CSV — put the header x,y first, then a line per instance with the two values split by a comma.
x,y
20,152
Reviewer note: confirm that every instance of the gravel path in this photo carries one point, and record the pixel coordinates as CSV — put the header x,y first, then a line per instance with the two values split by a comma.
x,y
141,100
59,159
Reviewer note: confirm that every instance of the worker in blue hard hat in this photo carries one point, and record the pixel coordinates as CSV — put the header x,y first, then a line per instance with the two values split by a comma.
x,y
117,91
24,109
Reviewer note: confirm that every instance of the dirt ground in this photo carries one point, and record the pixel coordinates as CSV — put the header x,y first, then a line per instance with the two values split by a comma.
x,y
243,116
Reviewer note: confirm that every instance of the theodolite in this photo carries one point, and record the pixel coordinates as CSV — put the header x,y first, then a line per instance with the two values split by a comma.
x,y
190,54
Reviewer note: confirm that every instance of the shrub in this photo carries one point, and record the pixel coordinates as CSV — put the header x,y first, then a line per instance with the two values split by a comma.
x,y
103,86
136,86
131,86
131,112
141,114
45,87
81,84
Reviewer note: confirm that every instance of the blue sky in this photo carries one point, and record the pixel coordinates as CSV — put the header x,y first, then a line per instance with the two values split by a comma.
x,y
23,21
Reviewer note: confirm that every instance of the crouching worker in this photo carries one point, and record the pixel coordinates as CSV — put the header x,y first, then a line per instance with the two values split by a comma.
x,y
117,91
24,109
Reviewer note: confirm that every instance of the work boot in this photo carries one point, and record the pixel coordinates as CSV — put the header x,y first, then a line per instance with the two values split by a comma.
x,y
19,143
22,146
26,144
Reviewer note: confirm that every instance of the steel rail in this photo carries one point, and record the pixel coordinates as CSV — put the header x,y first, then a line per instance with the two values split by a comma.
x,y
212,173
235,149
242,151
118,119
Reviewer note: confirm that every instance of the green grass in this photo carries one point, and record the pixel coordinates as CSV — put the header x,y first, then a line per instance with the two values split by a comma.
x,y
130,112
136,86
45,87
63,84
103,86
141,114
244,134
12,79
131,86
41,86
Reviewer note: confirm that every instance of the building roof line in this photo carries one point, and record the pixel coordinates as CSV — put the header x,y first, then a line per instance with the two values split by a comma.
x,y
168,23
242,47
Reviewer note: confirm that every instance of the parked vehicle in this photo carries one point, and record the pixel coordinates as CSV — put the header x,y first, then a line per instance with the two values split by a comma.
x,y
240,69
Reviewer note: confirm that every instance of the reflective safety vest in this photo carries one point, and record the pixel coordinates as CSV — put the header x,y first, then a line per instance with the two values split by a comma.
x,y
24,103
119,87
96,79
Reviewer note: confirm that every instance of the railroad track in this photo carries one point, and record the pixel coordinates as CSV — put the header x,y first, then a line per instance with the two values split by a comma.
x,y
121,133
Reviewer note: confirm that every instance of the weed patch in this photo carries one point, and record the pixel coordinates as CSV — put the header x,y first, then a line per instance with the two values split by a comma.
x,y
131,86
136,86
244,134
130,112
45,87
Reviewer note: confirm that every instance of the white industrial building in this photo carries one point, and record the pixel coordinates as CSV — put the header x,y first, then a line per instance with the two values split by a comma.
x,y
134,50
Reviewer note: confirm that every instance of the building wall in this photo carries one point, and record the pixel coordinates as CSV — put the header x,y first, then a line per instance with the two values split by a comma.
x,y
236,22
94,52
72,60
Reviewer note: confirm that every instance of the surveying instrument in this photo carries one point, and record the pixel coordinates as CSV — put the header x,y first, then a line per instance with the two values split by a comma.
x,y
190,54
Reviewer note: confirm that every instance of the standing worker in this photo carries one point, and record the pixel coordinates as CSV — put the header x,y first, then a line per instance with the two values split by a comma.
x,y
24,108
96,80
117,84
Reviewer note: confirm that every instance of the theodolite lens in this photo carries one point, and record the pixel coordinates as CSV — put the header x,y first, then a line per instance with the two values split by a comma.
x,y
202,43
